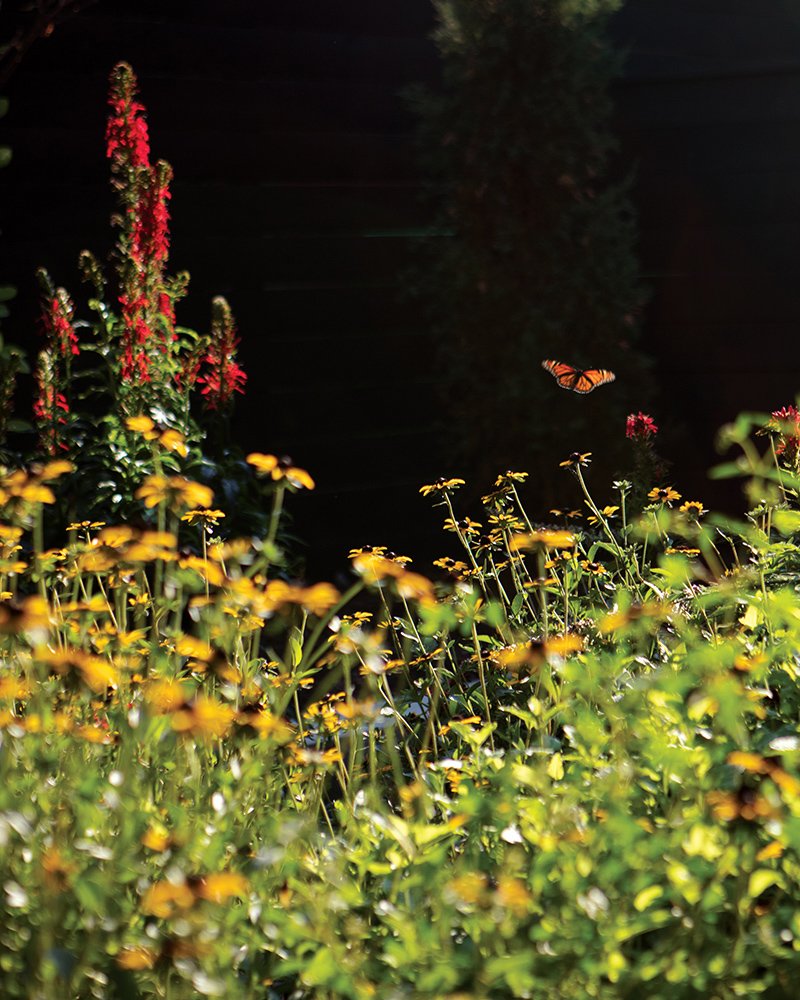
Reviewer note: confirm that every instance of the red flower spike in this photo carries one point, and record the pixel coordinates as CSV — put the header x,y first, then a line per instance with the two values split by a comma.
x,y
224,376
127,141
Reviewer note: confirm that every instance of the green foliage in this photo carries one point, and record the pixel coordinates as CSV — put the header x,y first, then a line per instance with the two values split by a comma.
x,y
570,767
535,256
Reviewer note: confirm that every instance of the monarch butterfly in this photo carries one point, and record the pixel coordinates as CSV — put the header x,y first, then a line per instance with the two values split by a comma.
x,y
575,379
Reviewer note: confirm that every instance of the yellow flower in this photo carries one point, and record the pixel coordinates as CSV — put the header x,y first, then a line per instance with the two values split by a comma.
x,y
576,459
693,508
218,887
195,648
173,440
505,478
157,839
164,696
441,485
96,673
136,958
206,517
466,526
280,468
163,899
142,425
547,539
606,512
203,717
595,568
169,439
55,469
175,491
267,725
664,494
569,515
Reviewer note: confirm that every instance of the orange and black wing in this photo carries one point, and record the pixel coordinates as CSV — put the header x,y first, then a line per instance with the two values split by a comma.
x,y
564,374
575,379
591,378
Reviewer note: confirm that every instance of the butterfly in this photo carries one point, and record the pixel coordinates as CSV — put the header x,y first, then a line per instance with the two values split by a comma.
x,y
575,379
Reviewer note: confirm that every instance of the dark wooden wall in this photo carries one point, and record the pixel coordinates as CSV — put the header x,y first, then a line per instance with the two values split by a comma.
x,y
709,113
297,195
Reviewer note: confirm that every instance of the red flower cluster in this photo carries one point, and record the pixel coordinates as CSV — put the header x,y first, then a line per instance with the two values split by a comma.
x,y
127,142
640,427
57,312
135,362
50,408
150,231
224,376
786,423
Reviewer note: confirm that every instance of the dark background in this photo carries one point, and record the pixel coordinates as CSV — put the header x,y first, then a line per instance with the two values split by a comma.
x,y
297,195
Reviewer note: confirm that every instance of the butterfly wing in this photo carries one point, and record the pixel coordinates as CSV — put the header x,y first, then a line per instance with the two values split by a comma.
x,y
564,374
591,378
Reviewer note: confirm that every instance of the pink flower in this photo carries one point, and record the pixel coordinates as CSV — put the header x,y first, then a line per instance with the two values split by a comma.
x,y
640,427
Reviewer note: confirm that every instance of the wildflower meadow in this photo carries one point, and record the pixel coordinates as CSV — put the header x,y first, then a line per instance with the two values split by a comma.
x,y
561,761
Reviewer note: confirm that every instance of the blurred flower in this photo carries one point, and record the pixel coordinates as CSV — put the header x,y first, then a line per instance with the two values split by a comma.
x,y
568,515
786,424
208,518
219,887
136,958
164,899
175,491
545,539
280,468
693,508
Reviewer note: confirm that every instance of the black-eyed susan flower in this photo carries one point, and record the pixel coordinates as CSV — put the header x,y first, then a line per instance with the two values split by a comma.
x,y
208,518
366,550
607,513
465,525
507,478
595,568
543,539
280,468
693,509
664,494
441,485
174,491
204,717
568,515
576,459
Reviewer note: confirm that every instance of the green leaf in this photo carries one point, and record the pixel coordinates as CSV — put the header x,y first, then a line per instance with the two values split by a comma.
x,y
5,156
761,880
647,896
